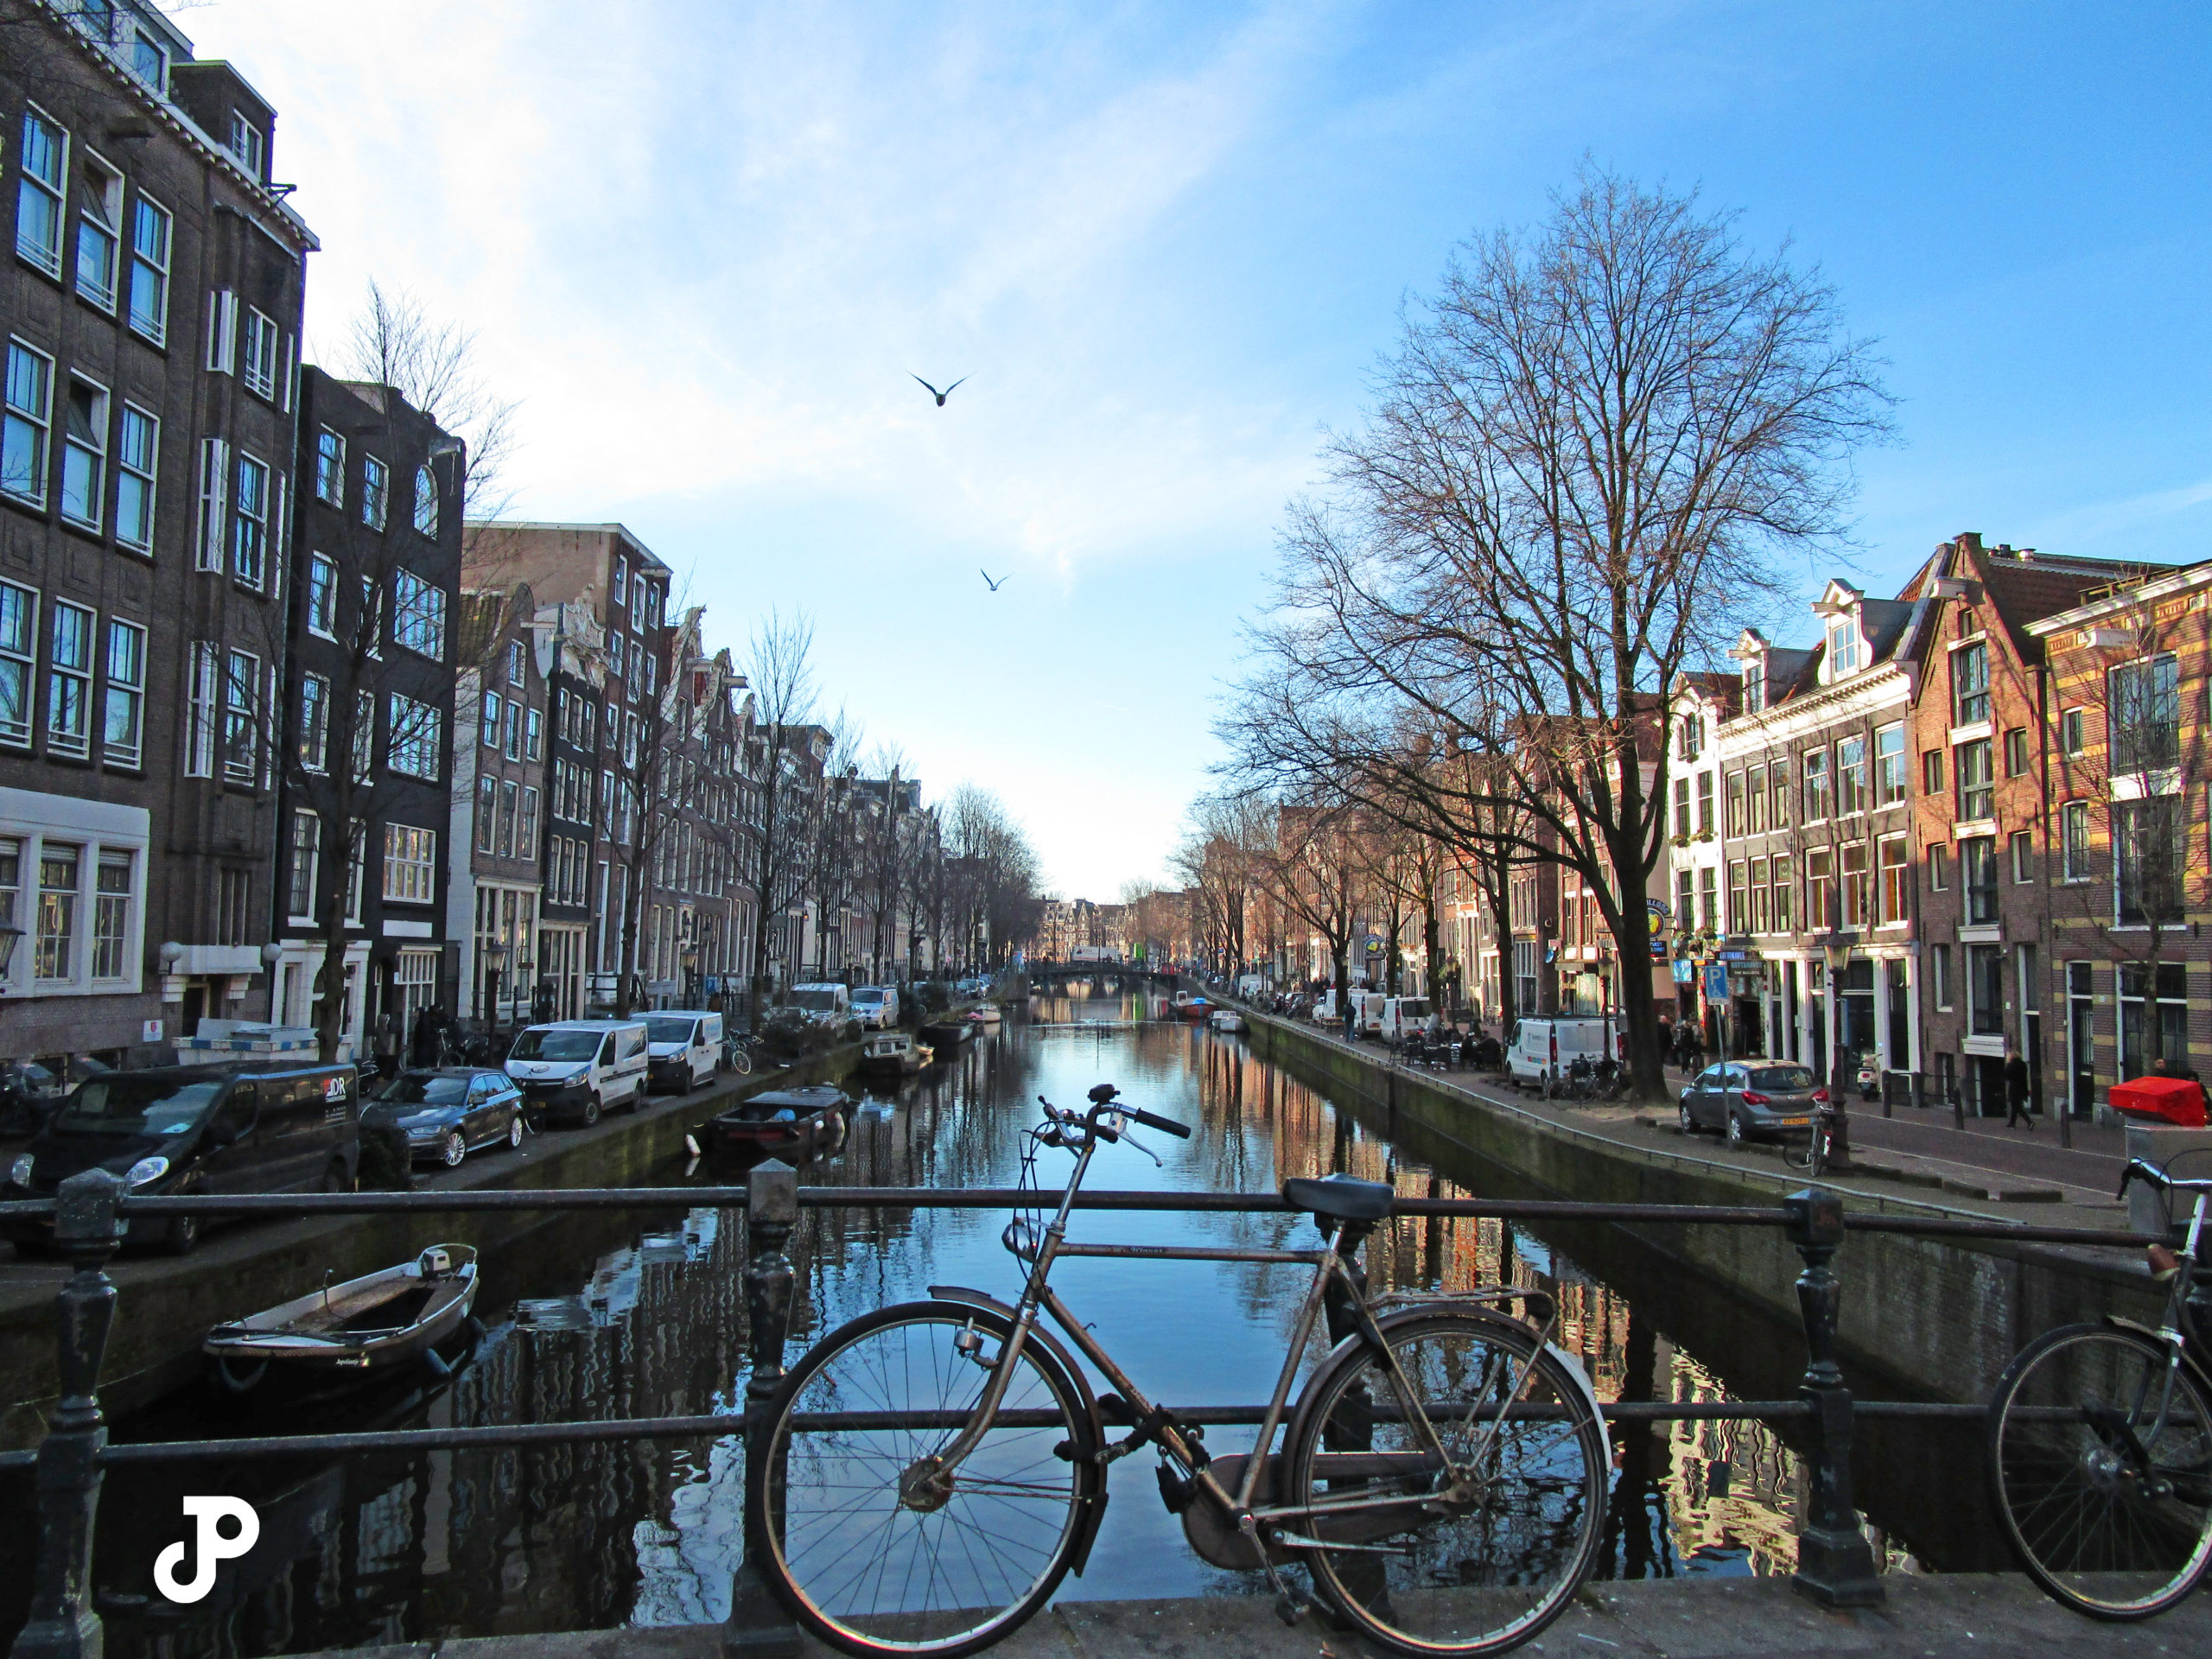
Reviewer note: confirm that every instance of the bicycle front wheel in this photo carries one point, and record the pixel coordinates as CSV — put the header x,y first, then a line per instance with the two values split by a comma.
x,y
1477,1549
865,1550
2101,1464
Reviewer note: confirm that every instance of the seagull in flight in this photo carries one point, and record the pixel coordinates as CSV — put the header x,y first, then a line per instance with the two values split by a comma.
x,y
1000,582
940,395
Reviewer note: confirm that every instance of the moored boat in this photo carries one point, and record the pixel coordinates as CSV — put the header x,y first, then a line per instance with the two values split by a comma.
x,y
892,1051
947,1034
374,1323
1227,1019
787,1123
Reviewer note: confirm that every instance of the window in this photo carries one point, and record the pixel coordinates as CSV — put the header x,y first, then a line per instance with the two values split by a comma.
x,y
261,355
1851,776
419,616
1931,771
376,492
137,457
1704,803
365,735
1737,919
314,723
112,917
1896,889
1759,895
1847,651
149,271
1977,789
1685,892
1856,887
99,233
534,735
1754,684
2016,751
2147,836
416,731
1755,801
1985,989
150,63
84,454
516,663
511,739
329,468
490,723
621,581
1888,765
2145,715
23,426
306,859
2023,856
1784,891
411,864
1939,975
200,690
57,909
372,618
2074,841
123,722
509,800
487,812
426,500
223,331
1732,820
526,827
250,529
246,143
1708,900
1970,684
45,158
1816,785
322,596
69,681
215,493
241,711
1819,880
2073,735
2170,1015
1978,879
1779,788
1939,867
1683,808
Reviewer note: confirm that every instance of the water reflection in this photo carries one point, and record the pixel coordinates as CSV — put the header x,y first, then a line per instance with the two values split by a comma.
x,y
604,1317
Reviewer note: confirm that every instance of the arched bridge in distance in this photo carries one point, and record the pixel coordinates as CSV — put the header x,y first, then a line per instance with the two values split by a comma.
x,y
1044,974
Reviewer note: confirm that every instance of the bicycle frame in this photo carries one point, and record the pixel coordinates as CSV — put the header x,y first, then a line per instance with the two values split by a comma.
x,y
1331,1269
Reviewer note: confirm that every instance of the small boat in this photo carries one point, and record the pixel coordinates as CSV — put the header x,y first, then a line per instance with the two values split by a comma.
x,y
894,1051
374,1323
1188,1007
1227,1019
787,1123
988,1014
947,1035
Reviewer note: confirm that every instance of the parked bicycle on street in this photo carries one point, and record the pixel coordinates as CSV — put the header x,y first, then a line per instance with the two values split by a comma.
x,y
929,1472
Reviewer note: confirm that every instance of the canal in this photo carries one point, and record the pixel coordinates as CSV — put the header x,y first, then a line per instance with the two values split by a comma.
x,y
616,1316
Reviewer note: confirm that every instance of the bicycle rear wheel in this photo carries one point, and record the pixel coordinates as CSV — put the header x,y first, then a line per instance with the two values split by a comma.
x,y
865,1558
1469,1559
2101,1465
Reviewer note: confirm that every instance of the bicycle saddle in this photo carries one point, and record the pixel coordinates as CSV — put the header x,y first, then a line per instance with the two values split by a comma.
x,y
1341,1198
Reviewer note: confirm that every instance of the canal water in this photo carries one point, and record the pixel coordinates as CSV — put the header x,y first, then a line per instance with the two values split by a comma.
x,y
616,1317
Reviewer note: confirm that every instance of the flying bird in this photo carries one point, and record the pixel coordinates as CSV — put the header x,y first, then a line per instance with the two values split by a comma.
x,y
1000,582
940,395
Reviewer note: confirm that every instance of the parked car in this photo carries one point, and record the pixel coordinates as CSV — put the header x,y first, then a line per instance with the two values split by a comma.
x,y
1408,1016
876,1007
572,1069
829,1003
173,1129
1541,1050
1367,1012
448,1111
1751,1100
683,1047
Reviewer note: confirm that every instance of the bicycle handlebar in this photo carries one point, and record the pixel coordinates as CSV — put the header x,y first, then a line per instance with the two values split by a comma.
x,y
2142,1169
1103,1105
1165,1125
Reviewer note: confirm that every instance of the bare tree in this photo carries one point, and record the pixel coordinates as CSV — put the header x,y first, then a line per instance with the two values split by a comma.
x,y
1585,455
779,670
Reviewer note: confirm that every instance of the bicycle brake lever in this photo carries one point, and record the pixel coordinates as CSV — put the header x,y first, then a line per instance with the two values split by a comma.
x,y
1132,1141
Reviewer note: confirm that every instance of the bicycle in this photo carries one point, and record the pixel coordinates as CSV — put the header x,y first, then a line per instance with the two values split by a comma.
x,y
1813,1155
928,1473
2100,1449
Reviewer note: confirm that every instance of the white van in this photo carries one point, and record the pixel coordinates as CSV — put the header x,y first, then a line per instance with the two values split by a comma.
x,y
1248,985
827,1003
876,1007
1324,1011
1369,1007
572,1069
1404,1015
1541,1050
683,1046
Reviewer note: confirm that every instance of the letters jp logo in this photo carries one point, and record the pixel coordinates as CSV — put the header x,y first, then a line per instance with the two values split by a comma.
x,y
209,1546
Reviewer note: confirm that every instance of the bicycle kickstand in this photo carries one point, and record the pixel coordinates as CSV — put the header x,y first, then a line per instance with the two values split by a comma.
x,y
1292,1604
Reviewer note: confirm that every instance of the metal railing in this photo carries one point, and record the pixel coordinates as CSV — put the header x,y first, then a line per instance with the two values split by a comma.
x,y
92,1211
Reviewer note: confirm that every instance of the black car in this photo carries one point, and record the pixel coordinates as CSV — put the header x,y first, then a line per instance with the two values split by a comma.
x,y
173,1129
448,1111
1749,1100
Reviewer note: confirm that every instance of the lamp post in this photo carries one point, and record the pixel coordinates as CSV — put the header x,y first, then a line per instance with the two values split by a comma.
x,y
271,954
689,956
495,959
1836,945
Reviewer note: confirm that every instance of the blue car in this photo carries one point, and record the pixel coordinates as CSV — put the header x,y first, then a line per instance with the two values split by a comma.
x,y
448,1111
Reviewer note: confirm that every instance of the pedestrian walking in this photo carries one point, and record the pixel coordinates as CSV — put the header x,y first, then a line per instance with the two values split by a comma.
x,y
423,1045
2016,1090
1351,1019
387,1042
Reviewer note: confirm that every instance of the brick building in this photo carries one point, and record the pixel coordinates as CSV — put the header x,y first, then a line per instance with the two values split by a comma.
x,y
496,844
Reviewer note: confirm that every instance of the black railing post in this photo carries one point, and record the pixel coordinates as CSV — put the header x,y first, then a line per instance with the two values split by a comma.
x,y
62,1623
757,1626
1835,1564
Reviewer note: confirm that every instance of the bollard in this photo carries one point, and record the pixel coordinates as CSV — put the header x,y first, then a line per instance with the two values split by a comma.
x,y
1835,1564
757,1626
62,1623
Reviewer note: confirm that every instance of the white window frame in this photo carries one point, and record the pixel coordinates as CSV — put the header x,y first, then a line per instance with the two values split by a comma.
x,y
114,913
322,596
329,468
418,615
410,865
376,492
261,363
123,711
426,501
214,499
137,477
299,850
202,688
250,540
53,192
222,331
2075,859
241,717
23,416
148,311
99,219
86,450
418,735
314,723
70,677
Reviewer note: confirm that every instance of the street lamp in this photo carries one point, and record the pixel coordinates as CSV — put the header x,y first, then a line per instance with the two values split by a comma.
x,y
1836,945
495,958
689,956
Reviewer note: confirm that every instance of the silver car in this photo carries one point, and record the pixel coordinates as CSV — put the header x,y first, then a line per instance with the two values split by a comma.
x,y
1751,1100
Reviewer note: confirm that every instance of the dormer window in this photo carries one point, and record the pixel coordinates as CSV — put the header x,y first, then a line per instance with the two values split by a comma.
x,y
149,62
247,143
1846,649
1754,685
1693,736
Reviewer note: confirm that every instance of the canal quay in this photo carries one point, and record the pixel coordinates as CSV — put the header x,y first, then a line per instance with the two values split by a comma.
x,y
604,1316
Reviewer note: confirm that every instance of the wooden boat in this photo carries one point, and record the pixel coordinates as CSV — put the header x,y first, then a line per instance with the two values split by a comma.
x,y
893,1052
1188,1007
1227,1019
787,1123
371,1324
947,1035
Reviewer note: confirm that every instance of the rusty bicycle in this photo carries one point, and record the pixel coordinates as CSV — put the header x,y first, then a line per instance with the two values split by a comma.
x,y
929,1472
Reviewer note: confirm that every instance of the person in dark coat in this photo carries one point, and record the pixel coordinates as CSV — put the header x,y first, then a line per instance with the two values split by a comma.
x,y
423,1045
2016,1090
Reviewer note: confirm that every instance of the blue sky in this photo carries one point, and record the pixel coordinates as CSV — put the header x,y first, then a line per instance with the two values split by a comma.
x,y
705,245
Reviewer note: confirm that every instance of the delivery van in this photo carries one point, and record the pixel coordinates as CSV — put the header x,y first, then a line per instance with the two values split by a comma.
x,y
1541,1050
570,1070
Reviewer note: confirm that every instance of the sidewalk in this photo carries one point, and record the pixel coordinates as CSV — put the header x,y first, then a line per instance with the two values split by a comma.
x,y
1672,1619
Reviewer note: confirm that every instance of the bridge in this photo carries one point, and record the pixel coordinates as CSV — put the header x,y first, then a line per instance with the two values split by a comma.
x,y
1061,972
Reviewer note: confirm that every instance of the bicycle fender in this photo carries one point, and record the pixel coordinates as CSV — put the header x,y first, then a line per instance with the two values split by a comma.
x,y
1094,1509
2188,1356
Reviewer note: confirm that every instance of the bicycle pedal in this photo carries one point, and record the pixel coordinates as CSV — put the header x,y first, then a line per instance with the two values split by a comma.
x,y
1175,1491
